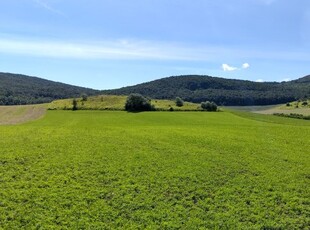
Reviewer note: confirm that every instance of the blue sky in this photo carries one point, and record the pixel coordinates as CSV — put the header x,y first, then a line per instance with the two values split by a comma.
x,y
106,44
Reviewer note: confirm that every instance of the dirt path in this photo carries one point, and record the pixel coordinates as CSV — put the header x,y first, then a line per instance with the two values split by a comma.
x,y
10,115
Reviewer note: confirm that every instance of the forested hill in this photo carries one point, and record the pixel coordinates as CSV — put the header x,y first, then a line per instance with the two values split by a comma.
x,y
223,91
18,89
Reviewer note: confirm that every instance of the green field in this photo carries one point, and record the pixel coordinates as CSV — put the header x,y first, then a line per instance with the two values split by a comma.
x,y
155,170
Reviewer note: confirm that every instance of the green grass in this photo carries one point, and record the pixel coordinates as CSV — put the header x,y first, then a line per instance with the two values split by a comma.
x,y
155,170
294,107
111,102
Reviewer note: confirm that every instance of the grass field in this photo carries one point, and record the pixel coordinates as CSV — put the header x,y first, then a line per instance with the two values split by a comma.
x,y
20,114
155,170
112,102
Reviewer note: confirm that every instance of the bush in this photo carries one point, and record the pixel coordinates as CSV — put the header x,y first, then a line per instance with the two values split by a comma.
x,y
179,102
136,103
304,103
209,106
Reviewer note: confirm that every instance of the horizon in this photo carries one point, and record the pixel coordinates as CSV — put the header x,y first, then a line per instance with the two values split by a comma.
x,y
112,44
155,80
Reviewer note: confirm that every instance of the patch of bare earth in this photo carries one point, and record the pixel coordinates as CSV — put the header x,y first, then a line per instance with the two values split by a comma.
x,y
11,115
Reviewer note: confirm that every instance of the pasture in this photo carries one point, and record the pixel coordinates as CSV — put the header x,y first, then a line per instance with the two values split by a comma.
x,y
155,170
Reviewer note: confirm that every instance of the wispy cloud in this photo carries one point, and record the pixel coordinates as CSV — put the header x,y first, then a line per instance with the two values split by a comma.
x,y
118,49
46,6
227,67
137,49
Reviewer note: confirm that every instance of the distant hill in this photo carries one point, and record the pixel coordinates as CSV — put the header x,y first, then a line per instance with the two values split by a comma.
x,y
16,89
196,88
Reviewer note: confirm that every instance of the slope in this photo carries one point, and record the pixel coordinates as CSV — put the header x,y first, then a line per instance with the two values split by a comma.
x,y
196,88
16,89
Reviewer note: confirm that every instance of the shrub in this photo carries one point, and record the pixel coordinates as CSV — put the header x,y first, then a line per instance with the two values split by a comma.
x,y
136,103
304,103
209,106
179,102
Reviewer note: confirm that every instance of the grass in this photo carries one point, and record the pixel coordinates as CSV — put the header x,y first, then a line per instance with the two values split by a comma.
x,y
20,114
111,102
155,170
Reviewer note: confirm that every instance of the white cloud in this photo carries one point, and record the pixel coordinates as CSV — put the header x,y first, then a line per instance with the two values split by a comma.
x,y
245,65
227,67
286,79
259,80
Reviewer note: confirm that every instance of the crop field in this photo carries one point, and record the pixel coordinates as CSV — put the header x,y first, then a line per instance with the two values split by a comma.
x,y
155,170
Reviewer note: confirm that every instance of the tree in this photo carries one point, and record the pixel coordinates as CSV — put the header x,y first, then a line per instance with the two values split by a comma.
x,y
209,106
74,104
179,102
136,102
84,97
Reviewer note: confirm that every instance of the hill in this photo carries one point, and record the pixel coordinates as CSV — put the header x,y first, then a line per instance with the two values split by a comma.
x,y
114,102
196,88
17,89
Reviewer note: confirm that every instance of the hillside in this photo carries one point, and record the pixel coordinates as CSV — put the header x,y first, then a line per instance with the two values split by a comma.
x,y
114,102
16,89
223,91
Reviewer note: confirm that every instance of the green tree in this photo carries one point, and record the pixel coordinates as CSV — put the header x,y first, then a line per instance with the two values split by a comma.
x,y
136,102
84,97
74,104
209,106
179,102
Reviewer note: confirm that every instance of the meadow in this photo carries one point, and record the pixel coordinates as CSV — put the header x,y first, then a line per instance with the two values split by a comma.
x,y
114,102
155,170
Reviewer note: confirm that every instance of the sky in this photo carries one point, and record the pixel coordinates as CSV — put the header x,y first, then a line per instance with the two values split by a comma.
x,y
106,44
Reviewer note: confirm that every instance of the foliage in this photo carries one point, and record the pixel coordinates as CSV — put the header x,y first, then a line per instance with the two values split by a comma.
x,y
136,102
157,170
16,89
179,102
209,106
293,115
74,104
197,89
84,97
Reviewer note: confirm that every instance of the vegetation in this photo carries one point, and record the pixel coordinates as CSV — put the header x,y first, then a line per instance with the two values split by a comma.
x,y
20,89
137,103
293,115
112,102
16,89
222,91
179,102
156,170
74,104
209,106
